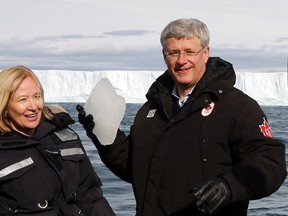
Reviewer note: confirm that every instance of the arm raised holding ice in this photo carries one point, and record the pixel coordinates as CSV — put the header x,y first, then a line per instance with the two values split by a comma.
x,y
101,117
105,111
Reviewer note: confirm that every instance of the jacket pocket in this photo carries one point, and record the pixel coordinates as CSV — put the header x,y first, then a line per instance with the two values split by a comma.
x,y
16,169
72,154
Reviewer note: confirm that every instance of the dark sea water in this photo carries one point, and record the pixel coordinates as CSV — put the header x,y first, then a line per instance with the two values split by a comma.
x,y
120,195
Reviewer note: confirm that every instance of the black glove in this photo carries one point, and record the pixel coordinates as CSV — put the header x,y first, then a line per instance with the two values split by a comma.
x,y
212,195
86,121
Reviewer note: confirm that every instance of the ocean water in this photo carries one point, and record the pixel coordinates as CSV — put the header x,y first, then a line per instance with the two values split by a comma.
x,y
120,194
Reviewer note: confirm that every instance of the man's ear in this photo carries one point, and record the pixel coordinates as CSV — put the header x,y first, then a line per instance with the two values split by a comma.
x,y
207,54
164,56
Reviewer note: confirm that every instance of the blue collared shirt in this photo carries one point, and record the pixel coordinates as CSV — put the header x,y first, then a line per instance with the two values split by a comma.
x,y
175,94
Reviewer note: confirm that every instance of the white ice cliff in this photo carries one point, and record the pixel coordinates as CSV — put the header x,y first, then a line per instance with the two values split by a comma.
x,y
76,86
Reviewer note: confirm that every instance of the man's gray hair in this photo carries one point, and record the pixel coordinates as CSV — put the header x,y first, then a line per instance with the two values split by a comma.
x,y
186,28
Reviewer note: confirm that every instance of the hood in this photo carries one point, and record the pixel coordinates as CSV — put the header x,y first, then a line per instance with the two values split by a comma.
x,y
218,74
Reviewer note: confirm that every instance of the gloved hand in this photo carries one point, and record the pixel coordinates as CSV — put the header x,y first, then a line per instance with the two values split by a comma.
x,y
212,195
86,121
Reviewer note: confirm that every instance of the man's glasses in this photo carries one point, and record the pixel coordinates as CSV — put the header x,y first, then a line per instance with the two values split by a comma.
x,y
174,55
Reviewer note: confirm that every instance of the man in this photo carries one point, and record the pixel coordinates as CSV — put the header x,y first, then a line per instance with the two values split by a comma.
x,y
198,145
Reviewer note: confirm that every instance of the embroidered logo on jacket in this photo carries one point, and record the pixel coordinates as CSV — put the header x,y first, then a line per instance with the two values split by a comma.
x,y
208,110
265,129
151,113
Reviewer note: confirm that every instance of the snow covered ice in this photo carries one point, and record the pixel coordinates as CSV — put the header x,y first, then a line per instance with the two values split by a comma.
x,y
76,86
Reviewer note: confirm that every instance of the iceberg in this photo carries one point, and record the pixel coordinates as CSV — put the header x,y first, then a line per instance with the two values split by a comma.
x,y
265,88
61,86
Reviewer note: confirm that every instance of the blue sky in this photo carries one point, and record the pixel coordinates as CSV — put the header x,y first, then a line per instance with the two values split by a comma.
x,y
124,35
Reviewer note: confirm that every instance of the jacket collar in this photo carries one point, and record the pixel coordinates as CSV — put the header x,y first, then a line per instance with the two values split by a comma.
x,y
15,140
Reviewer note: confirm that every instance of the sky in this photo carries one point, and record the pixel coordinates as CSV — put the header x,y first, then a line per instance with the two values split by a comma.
x,y
125,34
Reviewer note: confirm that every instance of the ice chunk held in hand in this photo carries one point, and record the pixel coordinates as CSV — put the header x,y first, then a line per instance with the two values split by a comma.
x,y
107,109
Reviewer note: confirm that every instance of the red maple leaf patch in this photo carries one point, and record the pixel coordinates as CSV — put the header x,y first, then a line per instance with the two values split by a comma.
x,y
265,129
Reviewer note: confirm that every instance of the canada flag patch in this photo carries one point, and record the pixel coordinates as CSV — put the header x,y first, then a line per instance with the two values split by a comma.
x,y
265,129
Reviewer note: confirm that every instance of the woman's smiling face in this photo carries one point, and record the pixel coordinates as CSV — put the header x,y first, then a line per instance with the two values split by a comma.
x,y
26,106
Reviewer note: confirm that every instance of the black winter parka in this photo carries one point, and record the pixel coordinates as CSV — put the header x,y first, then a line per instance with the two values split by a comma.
x,y
49,174
220,131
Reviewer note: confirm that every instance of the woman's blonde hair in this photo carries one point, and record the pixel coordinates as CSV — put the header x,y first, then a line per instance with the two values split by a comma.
x,y
10,79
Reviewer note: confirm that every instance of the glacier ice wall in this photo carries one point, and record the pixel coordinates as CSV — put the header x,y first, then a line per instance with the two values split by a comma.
x,y
76,86
266,88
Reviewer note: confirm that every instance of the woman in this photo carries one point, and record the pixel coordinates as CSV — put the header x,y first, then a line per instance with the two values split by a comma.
x,y
44,169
